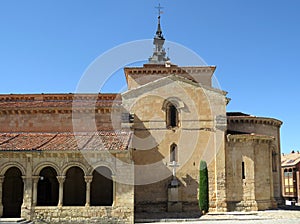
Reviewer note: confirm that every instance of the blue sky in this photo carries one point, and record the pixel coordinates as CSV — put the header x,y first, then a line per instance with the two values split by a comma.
x,y
47,45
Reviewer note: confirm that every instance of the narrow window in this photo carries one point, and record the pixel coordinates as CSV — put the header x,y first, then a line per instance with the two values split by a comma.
x,y
172,116
274,161
243,170
173,153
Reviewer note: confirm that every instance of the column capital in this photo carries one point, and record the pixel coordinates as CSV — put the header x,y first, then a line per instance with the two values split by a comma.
x,y
35,179
61,179
88,179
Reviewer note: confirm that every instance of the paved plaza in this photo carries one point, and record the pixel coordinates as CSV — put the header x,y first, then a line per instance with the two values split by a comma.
x,y
262,217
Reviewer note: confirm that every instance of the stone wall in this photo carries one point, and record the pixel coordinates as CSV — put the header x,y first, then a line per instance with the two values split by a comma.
x,y
268,127
254,190
82,214
196,136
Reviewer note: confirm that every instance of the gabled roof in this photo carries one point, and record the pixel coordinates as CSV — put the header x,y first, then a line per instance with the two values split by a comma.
x,y
66,141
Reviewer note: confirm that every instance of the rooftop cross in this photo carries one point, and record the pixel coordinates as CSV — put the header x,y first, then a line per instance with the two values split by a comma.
x,y
159,10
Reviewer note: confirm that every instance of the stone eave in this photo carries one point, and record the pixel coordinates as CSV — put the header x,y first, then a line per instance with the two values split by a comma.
x,y
58,110
254,120
162,69
249,138
83,151
290,165
57,96
164,81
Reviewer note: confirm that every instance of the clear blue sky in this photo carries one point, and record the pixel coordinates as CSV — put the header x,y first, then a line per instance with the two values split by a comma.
x,y
45,46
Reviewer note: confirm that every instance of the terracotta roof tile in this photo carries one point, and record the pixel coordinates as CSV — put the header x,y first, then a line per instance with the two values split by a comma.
x,y
101,140
290,159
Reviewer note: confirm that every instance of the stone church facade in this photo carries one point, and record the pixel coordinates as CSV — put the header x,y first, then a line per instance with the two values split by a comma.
x,y
105,157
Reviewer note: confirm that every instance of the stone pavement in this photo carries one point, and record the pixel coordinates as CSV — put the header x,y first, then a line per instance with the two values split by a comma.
x,y
261,217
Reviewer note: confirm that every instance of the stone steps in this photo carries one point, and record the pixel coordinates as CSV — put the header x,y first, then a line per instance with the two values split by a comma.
x,y
14,221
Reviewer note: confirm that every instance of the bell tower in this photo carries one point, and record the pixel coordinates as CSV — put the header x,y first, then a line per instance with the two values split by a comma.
x,y
159,53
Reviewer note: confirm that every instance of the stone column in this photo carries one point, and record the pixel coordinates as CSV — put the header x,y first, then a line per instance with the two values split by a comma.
x,y
61,180
88,180
35,185
1,205
113,177
27,197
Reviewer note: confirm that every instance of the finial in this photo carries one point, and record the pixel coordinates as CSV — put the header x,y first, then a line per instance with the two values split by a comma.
x,y
159,31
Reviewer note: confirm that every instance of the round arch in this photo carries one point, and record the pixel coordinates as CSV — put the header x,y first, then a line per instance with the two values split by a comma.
x,y
8,165
66,167
12,192
102,187
74,187
38,168
178,103
101,164
48,187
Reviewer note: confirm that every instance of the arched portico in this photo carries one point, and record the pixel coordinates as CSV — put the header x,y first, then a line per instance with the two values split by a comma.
x,y
12,193
102,187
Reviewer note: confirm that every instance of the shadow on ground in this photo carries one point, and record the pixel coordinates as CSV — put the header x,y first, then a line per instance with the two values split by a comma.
x,y
167,215
289,207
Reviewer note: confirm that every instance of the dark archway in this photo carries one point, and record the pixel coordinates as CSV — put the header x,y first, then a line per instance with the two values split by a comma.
x,y
102,187
12,193
47,194
171,116
74,188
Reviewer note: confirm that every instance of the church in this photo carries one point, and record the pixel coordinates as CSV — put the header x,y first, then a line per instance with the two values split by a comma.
x,y
98,158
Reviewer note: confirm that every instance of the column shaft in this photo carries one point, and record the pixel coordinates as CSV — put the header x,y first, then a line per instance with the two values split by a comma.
x,y
88,180
61,180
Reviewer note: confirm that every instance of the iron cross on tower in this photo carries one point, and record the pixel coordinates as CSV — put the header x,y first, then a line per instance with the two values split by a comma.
x,y
159,10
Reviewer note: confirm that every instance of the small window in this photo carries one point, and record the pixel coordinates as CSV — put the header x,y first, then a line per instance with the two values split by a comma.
x,y
171,115
173,153
243,170
274,161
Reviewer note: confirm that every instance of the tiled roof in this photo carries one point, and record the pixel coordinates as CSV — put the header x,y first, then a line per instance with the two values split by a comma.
x,y
290,159
58,100
101,140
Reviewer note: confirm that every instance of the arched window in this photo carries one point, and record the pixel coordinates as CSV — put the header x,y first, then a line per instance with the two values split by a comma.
x,y
102,187
173,153
74,188
171,115
47,194
12,193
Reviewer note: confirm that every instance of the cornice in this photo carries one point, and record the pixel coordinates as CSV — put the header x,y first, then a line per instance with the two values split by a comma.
x,y
250,138
253,120
57,97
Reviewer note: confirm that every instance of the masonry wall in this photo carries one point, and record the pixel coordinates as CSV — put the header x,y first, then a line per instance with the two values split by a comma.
x,y
196,138
254,190
268,127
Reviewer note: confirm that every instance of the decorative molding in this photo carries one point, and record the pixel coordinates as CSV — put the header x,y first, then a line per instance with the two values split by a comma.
x,y
253,120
